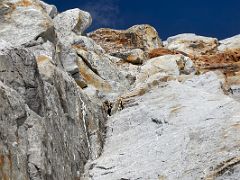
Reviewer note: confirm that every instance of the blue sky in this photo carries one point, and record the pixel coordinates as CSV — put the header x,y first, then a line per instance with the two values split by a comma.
x,y
215,18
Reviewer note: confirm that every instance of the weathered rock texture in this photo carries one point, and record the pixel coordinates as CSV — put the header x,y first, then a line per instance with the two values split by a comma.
x,y
230,43
169,134
192,44
72,21
49,128
142,37
113,104
23,21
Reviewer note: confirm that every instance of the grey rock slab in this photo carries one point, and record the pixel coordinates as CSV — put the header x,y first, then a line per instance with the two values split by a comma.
x,y
173,132
48,127
21,138
83,119
74,21
18,70
211,82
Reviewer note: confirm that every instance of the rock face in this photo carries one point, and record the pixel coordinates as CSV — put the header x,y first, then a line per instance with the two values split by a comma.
x,y
49,128
19,71
230,43
142,37
165,135
25,20
72,21
49,120
192,44
113,104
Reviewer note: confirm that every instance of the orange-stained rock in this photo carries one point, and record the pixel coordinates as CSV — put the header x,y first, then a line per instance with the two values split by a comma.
x,y
228,61
142,37
42,58
91,78
160,52
134,56
163,51
24,3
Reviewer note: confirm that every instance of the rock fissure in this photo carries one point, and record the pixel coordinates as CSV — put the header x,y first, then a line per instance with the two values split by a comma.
x,y
85,126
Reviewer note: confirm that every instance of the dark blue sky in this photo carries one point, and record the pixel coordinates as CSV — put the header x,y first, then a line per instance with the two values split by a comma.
x,y
215,18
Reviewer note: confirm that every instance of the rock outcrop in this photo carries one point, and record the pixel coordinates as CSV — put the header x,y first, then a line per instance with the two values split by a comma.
x,y
232,43
49,128
113,104
71,22
173,132
131,45
48,120
192,44
24,21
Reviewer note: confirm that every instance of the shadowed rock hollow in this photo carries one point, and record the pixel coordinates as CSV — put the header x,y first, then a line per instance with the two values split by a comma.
x,y
113,104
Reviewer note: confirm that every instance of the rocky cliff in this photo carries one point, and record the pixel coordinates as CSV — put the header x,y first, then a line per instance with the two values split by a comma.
x,y
113,104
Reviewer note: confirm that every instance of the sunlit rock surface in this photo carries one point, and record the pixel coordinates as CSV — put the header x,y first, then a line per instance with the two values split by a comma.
x,y
23,21
142,37
113,104
192,44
